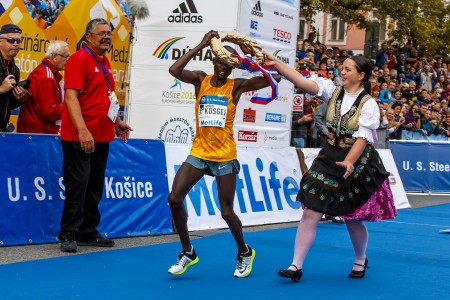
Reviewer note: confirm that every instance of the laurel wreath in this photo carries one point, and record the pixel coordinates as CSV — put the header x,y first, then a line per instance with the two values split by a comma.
x,y
247,45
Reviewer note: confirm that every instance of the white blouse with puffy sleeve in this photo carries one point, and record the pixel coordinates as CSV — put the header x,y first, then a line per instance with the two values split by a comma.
x,y
368,121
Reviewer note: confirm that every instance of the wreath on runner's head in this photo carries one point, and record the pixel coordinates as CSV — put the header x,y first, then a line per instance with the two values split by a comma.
x,y
242,41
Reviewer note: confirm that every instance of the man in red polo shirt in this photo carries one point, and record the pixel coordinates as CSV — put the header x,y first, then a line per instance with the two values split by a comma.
x,y
90,115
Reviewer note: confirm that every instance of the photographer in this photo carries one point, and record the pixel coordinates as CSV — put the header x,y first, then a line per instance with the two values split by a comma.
x,y
412,119
12,94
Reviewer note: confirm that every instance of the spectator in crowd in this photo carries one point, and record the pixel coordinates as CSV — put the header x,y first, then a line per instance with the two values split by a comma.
x,y
89,117
12,94
299,128
213,152
380,56
376,93
410,93
390,58
315,195
427,76
427,128
41,113
413,119
387,95
401,64
446,125
394,126
330,74
329,52
413,56
411,75
323,68
397,96
301,53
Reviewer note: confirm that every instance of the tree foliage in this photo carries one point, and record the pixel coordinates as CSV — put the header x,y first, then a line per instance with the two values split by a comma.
x,y
424,22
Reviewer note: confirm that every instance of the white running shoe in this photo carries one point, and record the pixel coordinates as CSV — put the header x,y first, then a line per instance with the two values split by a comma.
x,y
245,263
184,261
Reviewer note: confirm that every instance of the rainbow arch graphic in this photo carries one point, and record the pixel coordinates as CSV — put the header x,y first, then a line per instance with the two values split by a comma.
x,y
161,51
276,53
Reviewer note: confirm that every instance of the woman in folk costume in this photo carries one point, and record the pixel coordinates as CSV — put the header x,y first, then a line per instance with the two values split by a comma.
x,y
347,178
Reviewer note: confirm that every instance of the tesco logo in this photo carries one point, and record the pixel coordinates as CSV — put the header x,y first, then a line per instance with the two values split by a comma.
x,y
281,35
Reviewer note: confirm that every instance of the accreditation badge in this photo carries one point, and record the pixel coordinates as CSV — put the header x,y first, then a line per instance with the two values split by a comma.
x,y
213,111
113,107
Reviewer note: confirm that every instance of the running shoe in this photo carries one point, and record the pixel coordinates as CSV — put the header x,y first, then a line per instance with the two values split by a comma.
x,y
184,261
245,263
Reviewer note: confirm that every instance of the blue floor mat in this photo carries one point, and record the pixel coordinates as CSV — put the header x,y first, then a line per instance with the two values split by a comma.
x,y
408,259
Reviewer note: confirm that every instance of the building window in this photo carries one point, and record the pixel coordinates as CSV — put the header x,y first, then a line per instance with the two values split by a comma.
x,y
383,31
302,26
337,29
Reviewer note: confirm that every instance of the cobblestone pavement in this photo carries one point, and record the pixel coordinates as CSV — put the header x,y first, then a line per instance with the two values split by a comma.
x,y
15,254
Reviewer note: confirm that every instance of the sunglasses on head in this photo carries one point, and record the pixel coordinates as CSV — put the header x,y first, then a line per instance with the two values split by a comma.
x,y
12,40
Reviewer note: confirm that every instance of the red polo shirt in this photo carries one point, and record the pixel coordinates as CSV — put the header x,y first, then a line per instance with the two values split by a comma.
x,y
84,74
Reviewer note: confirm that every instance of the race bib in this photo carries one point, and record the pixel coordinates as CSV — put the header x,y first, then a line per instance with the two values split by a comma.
x,y
213,111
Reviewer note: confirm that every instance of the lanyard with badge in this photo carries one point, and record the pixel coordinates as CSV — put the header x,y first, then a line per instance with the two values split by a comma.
x,y
114,103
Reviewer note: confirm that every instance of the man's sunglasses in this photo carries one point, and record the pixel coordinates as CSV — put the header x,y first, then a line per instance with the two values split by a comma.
x,y
12,40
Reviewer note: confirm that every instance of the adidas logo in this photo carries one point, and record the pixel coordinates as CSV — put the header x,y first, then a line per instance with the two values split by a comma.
x,y
256,11
185,13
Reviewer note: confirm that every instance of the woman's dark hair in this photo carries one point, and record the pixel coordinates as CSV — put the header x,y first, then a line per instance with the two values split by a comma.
x,y
363,65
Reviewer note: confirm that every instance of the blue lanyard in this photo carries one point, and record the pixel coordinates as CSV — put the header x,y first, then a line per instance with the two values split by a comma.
x,y
101,67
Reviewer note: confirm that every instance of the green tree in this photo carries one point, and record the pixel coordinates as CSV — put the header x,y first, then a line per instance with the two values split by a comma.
x,y
424,22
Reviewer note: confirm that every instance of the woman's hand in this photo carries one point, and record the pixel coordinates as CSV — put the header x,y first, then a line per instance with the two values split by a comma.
x,y
348,167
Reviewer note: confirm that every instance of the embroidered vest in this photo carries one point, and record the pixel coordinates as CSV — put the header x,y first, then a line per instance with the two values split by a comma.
x,y
348,122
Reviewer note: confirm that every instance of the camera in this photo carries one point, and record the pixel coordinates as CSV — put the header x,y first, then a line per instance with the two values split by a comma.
x,y
25,84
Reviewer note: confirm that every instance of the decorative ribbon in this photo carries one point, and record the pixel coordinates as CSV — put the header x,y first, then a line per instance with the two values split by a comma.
x,y
253,67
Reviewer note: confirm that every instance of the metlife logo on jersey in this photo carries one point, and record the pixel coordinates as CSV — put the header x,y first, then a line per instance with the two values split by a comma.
x,y
186,12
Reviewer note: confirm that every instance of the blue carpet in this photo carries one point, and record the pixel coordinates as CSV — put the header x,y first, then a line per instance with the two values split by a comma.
x,y
408,259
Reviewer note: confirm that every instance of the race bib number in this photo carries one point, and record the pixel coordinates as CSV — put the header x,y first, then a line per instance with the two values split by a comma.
x,y
213,111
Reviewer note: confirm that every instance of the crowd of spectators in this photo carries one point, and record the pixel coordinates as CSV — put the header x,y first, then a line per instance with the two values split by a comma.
x,y
412,89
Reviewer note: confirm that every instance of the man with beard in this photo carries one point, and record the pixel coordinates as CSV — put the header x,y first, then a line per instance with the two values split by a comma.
x,y
90,115
213,151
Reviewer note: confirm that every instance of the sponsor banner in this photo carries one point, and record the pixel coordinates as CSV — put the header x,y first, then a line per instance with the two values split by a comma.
x,y
266,188
160,43
274,25
198,14
165,111
273,22
69,26
424,166
164,47
134,201
401,201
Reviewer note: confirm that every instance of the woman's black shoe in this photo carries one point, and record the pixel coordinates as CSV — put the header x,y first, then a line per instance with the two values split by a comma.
x,y
359,274
293,275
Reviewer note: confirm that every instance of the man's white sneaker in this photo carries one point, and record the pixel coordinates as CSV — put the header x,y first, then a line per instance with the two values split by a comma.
x,y
245,263
184,261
